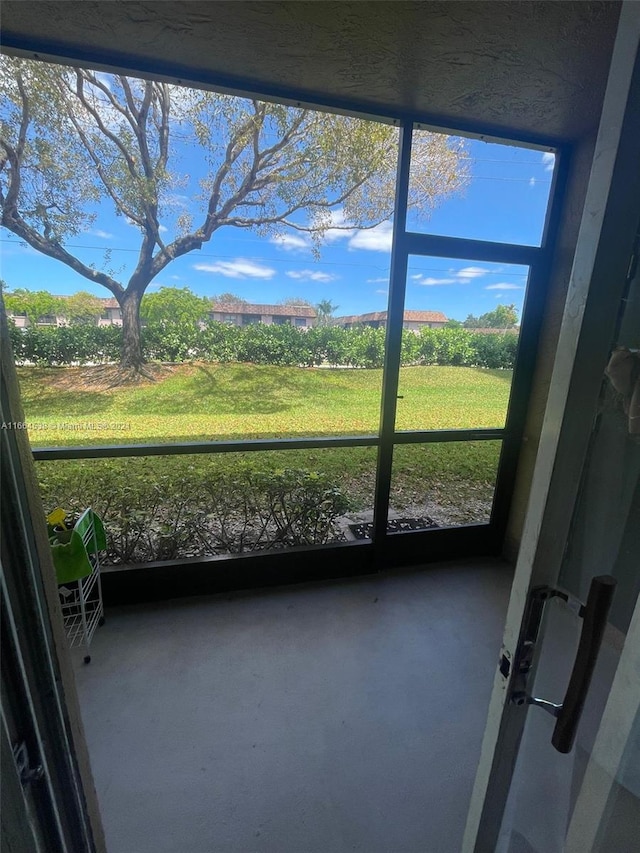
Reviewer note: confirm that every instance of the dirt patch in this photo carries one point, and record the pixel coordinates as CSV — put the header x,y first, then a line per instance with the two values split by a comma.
x,y
105,377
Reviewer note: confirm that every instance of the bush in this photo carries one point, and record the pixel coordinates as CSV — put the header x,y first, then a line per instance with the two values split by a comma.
x,y
453,347
219,342
495,350
166,341
411,348
54,346
262,344
365,347
361,347
158,511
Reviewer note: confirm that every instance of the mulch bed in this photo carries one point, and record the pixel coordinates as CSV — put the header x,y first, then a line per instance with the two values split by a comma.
x,y
394,525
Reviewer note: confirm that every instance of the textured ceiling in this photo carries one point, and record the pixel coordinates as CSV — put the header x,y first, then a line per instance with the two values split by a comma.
x,y
536,68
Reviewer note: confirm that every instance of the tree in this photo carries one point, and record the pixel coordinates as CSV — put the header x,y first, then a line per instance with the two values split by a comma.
x,y
502,317
73,140
325,308
229,299
82,307
34,304
296,301
175,306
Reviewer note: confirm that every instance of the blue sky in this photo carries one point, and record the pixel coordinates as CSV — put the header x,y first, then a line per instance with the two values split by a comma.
x,y
506,200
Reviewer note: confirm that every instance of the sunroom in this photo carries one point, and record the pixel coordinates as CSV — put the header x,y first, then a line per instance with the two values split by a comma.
x,y
390,472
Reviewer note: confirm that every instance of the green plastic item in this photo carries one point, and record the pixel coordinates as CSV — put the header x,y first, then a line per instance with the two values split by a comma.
x,y
70,555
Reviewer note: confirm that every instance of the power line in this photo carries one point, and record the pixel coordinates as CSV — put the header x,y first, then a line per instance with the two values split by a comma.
x,y
293,261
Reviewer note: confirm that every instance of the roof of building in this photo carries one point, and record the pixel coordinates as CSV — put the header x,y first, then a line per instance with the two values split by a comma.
x,y
252,308
492,330
409,317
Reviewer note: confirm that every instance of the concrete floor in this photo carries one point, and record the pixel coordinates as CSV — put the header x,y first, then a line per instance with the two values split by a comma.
x,y
317,719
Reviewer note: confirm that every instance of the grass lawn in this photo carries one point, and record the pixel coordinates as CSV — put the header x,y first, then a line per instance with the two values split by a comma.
x,y
200,402
210,401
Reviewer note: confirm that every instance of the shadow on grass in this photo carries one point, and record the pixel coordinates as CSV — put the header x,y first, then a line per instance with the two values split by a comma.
x,y
244,390
65,404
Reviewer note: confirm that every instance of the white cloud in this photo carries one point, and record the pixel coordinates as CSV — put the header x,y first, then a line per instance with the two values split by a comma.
x,y
105,79
504,285
376,239
549,161
311,275
470,272
162,229
453,276
385,292
103,235
532,182
339,228
383,280
290,242
178,200
429,281
239,268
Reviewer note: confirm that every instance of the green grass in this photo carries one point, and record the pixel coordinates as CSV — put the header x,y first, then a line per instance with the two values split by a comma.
x,y
201,402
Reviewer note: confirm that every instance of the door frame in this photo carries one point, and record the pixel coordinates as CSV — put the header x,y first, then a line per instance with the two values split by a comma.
x,y
603,259
51,784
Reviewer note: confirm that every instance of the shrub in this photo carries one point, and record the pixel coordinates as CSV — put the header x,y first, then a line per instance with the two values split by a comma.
x,y
167,341
453,347
428,346
495,350
154,511
365,347
53,346
411,350
261,344
219,342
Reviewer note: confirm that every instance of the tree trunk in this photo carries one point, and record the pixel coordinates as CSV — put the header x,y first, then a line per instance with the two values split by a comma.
x,y
131,357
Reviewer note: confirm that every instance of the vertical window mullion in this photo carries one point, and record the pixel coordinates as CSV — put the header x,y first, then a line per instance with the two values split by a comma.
x,y
393,337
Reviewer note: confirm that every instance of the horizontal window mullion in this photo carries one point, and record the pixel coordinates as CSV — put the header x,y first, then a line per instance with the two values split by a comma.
x,y
432,436
472,250
43,454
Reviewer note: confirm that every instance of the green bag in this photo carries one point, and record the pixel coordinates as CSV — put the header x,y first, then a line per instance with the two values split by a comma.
x,y
70,555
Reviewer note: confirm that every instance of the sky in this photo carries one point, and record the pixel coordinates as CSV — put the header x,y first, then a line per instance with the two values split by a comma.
x,y
505,200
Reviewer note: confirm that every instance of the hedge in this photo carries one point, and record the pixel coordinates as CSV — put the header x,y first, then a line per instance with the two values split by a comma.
x,y
157,511
261,344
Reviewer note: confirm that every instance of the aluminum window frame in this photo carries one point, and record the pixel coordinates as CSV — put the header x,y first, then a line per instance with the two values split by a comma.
x,y
405,243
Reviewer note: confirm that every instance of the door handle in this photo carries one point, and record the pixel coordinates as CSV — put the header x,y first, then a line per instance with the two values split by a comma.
x,y
594,614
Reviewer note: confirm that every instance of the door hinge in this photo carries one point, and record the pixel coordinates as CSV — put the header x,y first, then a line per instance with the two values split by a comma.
x,y
26,771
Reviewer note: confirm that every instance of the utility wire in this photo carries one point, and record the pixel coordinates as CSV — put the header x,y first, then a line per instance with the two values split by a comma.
x,y
292,261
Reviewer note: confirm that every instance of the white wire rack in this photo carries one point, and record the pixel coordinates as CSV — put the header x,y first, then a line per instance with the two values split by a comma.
x,y
81,600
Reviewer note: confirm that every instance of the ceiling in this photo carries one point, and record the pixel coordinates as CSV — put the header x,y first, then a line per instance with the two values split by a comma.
x,y
533,70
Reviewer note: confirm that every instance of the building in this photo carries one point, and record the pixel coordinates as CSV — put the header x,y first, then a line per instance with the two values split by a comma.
x,y
247,314
237,314
112,313
111,316
412,320
561,77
